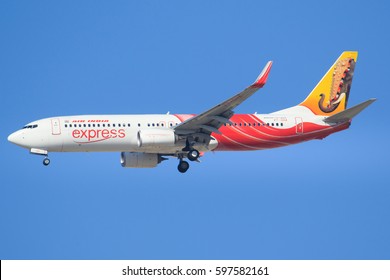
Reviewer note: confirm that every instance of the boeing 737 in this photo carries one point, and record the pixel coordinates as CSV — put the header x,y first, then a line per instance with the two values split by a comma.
x,y
147,140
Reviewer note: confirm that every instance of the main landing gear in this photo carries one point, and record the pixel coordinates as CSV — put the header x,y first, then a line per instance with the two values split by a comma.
x,y
192,155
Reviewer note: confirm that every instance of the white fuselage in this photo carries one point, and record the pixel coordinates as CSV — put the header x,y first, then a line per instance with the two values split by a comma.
x,y
100,133
155,133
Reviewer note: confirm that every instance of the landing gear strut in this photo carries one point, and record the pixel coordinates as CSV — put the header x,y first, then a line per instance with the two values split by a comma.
x,y
192,154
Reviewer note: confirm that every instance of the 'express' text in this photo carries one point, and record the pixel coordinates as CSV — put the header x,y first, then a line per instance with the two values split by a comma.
x,y
94,135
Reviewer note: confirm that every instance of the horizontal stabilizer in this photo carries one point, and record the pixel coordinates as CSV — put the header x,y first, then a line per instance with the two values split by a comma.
x,y
349,113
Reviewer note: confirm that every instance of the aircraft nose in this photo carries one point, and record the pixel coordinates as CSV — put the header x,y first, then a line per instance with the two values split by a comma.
x,y
15,138
12,138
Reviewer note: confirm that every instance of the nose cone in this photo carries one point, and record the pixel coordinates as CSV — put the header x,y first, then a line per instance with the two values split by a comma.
x,y
16,138
12,138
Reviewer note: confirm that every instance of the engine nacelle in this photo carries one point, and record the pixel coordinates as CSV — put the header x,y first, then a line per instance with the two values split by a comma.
x,y
140,160
156,138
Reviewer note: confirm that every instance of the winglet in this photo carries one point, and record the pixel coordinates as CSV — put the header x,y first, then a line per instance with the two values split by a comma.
x,y
262,78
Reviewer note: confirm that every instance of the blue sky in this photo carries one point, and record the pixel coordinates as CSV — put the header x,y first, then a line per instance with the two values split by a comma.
x,y
318,200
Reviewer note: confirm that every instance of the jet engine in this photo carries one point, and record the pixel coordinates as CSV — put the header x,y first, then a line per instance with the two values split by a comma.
x,y
140,160
156,138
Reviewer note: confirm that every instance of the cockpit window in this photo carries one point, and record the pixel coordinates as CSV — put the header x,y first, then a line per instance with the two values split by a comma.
x,y
30,126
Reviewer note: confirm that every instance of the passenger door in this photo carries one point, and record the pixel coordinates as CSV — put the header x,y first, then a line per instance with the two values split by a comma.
x,y
55,126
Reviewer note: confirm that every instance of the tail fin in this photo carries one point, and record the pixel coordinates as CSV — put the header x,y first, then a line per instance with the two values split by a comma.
x,y
330,95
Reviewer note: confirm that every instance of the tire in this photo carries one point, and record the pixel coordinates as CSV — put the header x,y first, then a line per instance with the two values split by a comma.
x,y
46,161
183,166
193,155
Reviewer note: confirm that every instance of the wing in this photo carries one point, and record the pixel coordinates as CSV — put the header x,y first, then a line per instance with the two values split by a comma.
x,y
211,120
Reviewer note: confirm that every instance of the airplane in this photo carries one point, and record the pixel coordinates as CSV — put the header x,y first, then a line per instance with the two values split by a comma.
x,y
144,141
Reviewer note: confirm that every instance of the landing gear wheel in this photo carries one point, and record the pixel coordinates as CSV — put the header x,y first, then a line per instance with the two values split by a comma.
x,y
46,161
193,155
183,166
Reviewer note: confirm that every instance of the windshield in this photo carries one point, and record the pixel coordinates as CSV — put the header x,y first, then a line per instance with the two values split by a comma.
x,y
30,126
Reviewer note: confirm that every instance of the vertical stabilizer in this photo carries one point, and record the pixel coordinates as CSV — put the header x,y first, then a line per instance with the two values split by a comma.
x,y
330,95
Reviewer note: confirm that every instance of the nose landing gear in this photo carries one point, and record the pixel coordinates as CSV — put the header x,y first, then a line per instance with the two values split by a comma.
x,y
40,152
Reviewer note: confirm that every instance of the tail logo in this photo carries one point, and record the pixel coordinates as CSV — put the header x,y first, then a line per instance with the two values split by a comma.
x,y
340,86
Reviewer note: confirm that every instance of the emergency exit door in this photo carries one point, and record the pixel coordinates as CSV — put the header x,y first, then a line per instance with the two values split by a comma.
x,y
299,125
